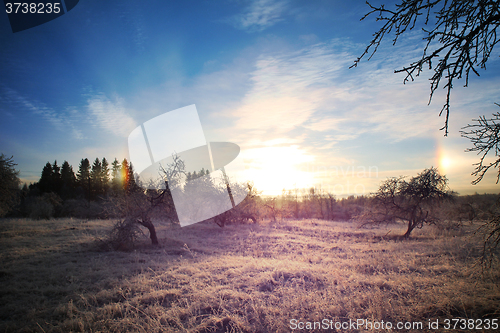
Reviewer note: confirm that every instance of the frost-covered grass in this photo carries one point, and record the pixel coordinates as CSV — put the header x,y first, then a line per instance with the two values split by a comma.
x,y
243,278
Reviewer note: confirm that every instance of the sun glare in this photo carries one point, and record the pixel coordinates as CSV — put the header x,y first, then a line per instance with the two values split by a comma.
x,y
445,162
273,169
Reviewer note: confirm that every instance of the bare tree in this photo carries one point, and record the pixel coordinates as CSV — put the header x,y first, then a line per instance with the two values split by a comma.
x,y
485,137
247,210
460,36
138,206
274,208
409,201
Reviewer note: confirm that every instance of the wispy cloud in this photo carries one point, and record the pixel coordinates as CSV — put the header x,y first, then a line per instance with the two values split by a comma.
x,y
259,15
110,115
61,120
288,89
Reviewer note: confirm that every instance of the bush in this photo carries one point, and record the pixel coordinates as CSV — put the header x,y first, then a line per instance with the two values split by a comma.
x,y
41,207
123,236
38,208
80,208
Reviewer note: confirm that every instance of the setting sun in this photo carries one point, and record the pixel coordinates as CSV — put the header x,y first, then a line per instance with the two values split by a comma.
x,y
445,163
273,169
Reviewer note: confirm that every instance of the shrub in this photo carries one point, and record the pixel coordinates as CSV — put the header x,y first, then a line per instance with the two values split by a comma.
x,y
38,208
123,236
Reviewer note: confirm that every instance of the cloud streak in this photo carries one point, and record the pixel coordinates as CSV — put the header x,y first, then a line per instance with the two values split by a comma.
x,y
260,15
59,120
110,115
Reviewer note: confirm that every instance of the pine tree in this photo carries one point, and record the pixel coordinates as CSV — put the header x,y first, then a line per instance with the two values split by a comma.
x,y
116,181
68,180
132,185
105,175
68,175
125,175
45,183
56,178
95,178
83,176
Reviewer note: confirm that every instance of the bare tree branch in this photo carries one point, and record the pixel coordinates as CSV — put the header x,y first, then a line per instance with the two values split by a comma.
x,y
463,36
485,137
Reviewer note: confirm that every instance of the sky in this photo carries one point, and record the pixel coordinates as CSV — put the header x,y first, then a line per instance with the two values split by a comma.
x,y
271,76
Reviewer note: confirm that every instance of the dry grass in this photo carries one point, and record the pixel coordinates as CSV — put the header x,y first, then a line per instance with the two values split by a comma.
x,y
248,278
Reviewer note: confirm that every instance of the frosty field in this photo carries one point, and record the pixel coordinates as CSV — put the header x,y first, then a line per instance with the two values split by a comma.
x,y
270,277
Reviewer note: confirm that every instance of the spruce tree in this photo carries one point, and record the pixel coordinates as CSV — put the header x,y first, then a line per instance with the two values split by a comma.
x,y
45,183
132,185
95,178
83,176
68,180
105,175
56,178
116,182
125,175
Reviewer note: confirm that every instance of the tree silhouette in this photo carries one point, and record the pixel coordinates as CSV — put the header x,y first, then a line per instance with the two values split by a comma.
x,y
460,36
95,178
56,178
83,176
9,184
131,183
104,175
68,180
46,180
116,181
410,201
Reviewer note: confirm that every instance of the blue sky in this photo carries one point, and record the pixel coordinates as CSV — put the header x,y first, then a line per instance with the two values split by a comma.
x,y
270,75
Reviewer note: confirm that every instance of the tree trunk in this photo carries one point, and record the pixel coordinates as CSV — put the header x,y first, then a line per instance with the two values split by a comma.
x,y
411,226
152,231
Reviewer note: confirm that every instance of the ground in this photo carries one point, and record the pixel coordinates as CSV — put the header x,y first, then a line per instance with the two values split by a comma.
x,y
271,277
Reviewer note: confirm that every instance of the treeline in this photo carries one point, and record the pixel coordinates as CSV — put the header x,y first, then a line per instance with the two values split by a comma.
x,y
92,192
62,192
91,182
315,203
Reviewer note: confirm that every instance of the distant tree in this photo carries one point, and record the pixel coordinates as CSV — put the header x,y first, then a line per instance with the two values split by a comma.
x,y
9,184
128,177
46,183
330,203
460,37
131,179
409,201
56,178
125,175
83,176
68,180
116,177
105,175
67,174
96,178
273,206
